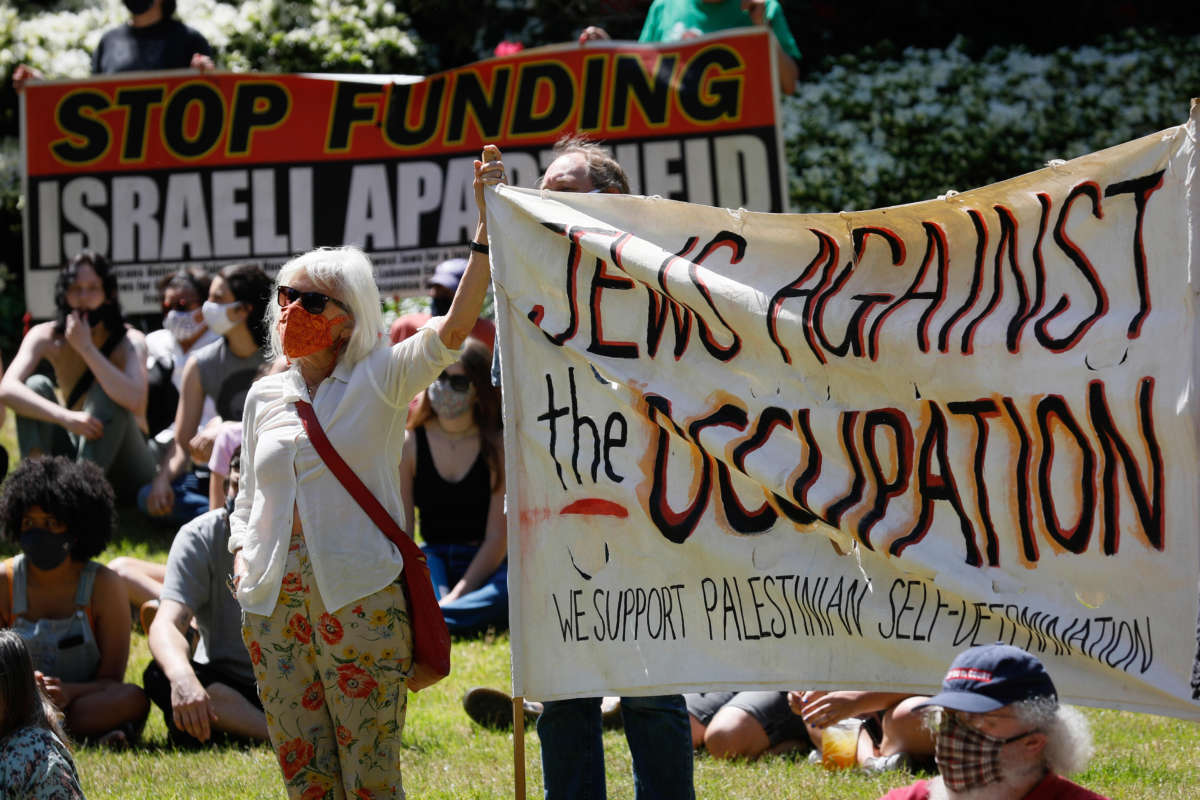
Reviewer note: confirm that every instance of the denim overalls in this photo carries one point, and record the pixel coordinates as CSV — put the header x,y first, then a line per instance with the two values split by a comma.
x,y
62,648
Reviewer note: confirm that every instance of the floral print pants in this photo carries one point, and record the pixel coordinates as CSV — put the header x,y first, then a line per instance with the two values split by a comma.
x,y
332,686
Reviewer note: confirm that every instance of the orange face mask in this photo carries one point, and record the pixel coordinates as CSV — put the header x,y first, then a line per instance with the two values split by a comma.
x,y
302,333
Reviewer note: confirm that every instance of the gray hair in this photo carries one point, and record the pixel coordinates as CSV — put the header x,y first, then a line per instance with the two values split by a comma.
x,y
342,272
603,169
1068,735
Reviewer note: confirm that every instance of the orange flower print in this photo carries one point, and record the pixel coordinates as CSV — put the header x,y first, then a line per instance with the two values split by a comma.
x,y
355,682
364,794
255,653
344,736
293,583
301,627
294,756
315,791
358,611
314,696
331,629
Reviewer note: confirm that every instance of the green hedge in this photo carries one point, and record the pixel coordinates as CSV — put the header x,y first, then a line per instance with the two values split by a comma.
x,y
876,128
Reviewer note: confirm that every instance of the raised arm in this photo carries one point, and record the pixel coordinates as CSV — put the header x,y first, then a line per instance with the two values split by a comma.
x,y
126,386
472,289
408,471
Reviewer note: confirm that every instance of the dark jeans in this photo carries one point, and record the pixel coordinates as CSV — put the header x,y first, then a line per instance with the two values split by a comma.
x,y
158,689
191,498
660,741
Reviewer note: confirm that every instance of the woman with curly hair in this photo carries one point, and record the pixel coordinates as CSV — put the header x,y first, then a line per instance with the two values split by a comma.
x,y
35,763
72,612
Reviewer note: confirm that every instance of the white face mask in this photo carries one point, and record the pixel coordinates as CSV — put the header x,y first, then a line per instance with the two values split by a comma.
x,y
216,316
182,324
447,402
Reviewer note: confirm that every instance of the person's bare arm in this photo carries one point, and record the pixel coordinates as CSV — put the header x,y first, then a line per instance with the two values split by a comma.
x,y
28,403
191,705
823,709
23,74
472,289
788,70
126,386
408,471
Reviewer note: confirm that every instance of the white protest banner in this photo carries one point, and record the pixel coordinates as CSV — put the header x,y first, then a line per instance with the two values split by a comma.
x,y
832,450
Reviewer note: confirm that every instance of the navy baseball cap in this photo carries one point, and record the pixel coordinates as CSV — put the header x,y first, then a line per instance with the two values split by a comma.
x,y
992,676
449,273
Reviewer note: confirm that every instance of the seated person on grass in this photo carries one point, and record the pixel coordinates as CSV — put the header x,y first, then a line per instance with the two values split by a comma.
x,y
221,370
208,696
35,762
744,724
100,371
72,612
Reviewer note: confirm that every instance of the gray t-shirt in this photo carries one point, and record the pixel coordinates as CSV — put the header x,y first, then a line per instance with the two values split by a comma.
x,y
197,569
225,377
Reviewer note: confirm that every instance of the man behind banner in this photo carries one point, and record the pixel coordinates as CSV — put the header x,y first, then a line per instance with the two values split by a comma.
x,y
657,728
1001,733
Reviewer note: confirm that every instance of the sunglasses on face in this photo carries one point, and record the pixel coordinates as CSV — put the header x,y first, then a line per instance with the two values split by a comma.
x,y
459,383
312,302
178,305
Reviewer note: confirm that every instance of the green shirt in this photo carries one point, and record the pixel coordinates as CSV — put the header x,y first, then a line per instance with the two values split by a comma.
x,y
670,20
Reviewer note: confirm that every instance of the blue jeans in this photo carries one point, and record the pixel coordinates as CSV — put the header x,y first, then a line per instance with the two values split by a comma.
x,y
660,741
486,605
191,498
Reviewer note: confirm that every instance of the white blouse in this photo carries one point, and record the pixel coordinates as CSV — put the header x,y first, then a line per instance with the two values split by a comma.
x,y
363,408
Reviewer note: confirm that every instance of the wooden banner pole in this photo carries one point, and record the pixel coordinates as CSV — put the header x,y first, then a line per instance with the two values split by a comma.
x,y
519,748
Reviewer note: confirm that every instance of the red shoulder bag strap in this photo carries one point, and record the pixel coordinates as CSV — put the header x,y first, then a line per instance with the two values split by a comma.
x,y
430,636
354,485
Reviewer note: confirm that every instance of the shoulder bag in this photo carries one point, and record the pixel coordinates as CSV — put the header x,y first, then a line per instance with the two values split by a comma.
x,y
430,636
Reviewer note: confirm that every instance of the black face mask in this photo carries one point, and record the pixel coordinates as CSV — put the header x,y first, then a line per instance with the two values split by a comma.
x,y
106,313
441,305
138,6
44,548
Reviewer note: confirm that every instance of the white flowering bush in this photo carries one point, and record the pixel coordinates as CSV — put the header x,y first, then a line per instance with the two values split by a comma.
x,y
868,132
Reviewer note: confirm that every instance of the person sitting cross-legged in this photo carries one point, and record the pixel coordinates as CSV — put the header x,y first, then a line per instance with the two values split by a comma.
x,y
72,612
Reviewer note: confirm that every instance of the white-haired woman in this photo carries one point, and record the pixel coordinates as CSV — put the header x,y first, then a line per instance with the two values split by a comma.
x,y
326,622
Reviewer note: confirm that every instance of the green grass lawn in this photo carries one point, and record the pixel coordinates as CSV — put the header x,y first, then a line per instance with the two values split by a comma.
x,y
1139,757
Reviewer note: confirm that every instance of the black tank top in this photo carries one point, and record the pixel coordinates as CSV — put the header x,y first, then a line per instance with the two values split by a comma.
x,y
451,513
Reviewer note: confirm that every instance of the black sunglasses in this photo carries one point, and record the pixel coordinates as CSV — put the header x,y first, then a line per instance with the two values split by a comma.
x,y
178,305
459,383
312,302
